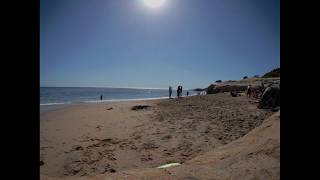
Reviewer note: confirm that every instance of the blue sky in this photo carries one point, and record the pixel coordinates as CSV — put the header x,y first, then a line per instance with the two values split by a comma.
x,y
123,43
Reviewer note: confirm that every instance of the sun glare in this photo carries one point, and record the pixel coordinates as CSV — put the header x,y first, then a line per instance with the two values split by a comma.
x,y
154,3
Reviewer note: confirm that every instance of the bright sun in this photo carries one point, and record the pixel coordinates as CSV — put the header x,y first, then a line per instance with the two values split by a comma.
x,y
154,3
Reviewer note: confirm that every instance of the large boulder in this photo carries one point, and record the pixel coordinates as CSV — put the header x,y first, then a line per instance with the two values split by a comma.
x,y
211,89
270,97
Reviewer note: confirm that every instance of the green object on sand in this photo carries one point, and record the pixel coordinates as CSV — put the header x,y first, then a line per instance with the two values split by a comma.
x,y
169,165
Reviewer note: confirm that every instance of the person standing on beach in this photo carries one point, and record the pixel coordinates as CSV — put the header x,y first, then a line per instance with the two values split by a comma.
x,y
187,93
101,97
178,91
170,91
249,91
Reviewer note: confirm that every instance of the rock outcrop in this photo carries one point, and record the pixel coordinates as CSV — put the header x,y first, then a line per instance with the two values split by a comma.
x,y
241,85
270,97
273,73
212,89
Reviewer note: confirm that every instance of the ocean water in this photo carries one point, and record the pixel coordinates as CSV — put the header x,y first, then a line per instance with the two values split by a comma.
x,y
70,95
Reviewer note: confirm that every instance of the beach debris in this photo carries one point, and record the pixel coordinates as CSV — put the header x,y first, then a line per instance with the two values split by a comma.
x,y
41,163
169,165
110,108
139,107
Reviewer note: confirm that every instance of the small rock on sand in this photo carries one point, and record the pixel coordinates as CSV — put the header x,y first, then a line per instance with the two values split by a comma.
x,y
166,137
77,148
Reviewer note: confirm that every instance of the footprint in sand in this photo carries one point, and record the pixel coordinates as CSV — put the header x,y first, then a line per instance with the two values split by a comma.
x,y
149,146
166,137
146,157
99,127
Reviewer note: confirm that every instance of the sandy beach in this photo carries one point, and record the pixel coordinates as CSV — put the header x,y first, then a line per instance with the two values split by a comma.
x,y
159,89
91,140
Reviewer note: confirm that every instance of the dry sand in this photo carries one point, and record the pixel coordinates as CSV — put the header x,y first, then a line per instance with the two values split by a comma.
x,y
110,139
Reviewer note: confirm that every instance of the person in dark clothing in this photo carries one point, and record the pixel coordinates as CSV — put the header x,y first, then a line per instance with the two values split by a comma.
x,y
179,91
170,91
249,91
187,93
101,97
